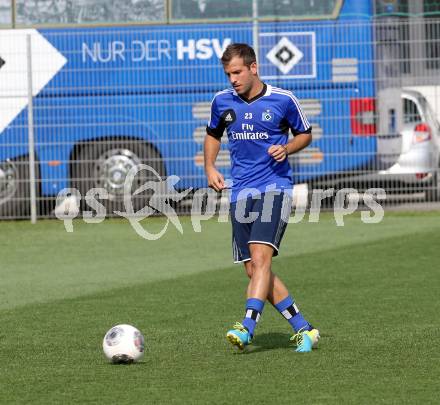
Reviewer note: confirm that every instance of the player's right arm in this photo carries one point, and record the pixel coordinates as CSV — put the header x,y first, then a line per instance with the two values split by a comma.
x,y
214,177
214,132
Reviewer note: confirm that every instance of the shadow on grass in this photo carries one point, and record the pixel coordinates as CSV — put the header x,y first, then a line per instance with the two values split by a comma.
x,y
122,365
269,341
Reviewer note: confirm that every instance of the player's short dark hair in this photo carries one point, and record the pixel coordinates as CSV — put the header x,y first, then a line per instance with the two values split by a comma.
x,y
243,51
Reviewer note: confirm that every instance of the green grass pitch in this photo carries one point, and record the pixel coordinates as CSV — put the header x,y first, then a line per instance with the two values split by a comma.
x,y
373,291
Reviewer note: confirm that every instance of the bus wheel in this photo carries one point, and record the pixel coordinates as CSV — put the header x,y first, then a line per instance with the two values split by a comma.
x,y
15,189
106,165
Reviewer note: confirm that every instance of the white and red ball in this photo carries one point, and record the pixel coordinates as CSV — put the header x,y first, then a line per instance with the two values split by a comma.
x,y
123,344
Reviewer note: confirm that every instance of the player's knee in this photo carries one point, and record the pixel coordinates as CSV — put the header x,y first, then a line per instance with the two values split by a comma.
x,y
260,263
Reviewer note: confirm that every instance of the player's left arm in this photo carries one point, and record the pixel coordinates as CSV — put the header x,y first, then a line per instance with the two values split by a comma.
x,y
299,142
301,129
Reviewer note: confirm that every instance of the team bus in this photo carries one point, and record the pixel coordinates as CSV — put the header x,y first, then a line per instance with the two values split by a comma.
x,y
91,102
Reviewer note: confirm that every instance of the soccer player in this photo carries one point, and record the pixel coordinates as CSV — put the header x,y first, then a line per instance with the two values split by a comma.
x,y
257,118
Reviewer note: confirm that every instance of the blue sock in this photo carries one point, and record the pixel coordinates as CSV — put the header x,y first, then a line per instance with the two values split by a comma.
x,y
290,311
254,308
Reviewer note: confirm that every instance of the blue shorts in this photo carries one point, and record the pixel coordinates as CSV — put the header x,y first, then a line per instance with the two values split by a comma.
x,y
259,219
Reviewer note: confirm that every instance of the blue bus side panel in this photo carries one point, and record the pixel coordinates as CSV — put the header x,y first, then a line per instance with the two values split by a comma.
x,y
143,60
144,83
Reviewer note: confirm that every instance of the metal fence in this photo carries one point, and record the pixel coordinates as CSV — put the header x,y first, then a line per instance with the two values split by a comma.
x,y
80,108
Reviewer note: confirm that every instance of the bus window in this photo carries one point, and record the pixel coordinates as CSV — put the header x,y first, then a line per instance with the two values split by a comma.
x,y
296,8
43,12
5,13
210,9
31,12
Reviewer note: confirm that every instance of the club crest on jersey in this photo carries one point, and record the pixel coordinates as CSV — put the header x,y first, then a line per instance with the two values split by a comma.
x,y
267,116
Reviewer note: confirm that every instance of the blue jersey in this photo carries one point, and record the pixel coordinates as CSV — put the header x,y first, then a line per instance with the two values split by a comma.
x,y
252,127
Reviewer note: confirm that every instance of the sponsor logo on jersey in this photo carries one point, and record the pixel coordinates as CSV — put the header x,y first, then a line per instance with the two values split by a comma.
x,y
246,135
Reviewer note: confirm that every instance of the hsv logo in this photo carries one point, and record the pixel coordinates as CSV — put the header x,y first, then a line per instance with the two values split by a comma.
x,y
292,55
267,116
285,55
203,48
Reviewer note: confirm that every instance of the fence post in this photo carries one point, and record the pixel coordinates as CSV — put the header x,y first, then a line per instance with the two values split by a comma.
x,y
31,143
255,38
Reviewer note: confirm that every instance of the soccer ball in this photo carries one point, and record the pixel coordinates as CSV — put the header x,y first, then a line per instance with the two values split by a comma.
x,y
123,344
